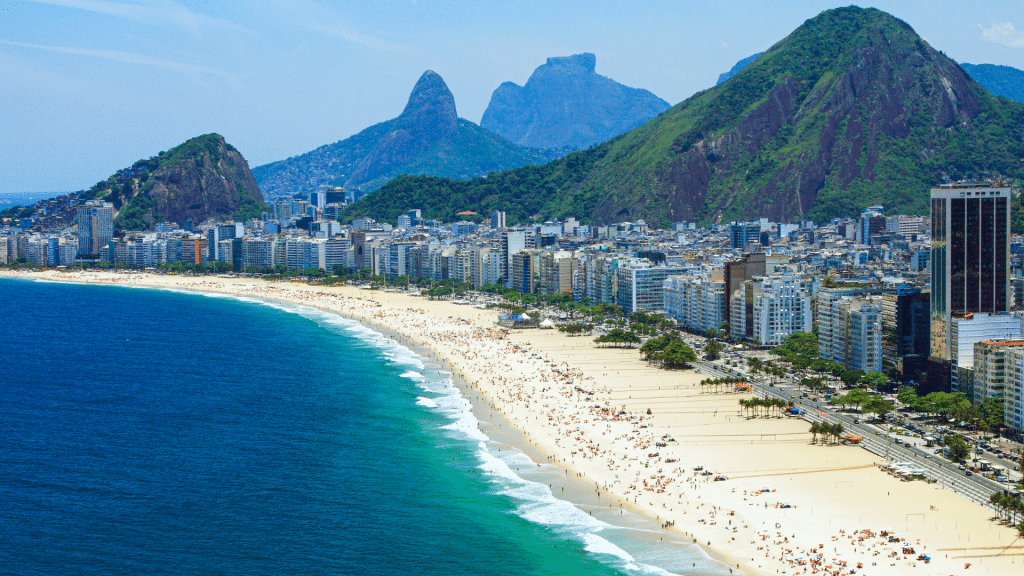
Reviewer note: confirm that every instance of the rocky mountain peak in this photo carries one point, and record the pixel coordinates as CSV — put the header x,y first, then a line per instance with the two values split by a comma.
x,y
575,64
430,111
565,103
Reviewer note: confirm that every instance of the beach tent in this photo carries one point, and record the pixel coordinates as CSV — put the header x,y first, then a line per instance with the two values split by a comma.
x,y
517,321
547,324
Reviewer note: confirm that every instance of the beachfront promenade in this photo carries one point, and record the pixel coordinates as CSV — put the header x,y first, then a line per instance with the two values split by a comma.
x,y
945,473
755,490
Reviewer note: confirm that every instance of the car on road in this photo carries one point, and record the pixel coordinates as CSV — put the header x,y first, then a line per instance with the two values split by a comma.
x,y
962,467
937,451
969,473
856,421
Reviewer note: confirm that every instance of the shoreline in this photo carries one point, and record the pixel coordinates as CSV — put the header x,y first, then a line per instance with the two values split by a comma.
x,y
580,489
539,390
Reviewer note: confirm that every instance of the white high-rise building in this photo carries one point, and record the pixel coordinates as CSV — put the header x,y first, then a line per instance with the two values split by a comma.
x,y
782,306
695,300
491,267
512,242
967,331
850,331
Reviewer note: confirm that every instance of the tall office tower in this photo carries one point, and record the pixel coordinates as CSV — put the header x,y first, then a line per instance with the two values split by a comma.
x,y
497,219
970,262
95,227
905,328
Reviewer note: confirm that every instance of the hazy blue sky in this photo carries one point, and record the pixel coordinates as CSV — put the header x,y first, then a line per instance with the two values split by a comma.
x,y
90,86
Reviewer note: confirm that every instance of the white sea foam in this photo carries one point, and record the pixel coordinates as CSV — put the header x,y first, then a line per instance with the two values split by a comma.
x,y
412,375
426,402
467,425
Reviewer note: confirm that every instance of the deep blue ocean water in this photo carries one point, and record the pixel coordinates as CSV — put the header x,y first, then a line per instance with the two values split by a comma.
x,y
159,432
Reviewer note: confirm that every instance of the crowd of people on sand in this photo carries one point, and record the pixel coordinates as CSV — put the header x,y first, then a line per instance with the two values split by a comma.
x,y
570,415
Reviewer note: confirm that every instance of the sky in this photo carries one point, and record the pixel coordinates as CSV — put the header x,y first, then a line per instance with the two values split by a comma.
x,y
90,86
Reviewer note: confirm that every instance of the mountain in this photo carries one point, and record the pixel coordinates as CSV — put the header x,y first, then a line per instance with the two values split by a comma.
x,y
566,104
203,178
736,68
1002,81
428,137
851,109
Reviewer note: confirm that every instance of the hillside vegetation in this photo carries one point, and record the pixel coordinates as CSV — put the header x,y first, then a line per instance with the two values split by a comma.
x,y
851,109
202,178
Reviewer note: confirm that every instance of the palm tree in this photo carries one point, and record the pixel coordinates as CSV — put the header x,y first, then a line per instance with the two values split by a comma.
x,y
815,429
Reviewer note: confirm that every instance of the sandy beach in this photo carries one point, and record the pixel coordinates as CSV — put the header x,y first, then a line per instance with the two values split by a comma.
x,y
754,491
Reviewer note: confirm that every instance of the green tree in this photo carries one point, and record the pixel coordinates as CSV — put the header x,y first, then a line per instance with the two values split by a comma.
x,y
958,449
713,350
991,410
875,380
851,377
907,396
856,398
879,406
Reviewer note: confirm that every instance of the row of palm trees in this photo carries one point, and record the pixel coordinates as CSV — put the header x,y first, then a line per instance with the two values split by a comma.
x,y
758,366
1010,508
764,405
826,431
717,384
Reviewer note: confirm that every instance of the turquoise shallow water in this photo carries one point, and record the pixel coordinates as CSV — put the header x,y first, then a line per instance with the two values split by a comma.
x,y
161,432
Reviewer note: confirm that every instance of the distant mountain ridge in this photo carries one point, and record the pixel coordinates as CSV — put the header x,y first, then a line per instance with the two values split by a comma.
x,y
428,137
852,109
1004,81
565,103
736,68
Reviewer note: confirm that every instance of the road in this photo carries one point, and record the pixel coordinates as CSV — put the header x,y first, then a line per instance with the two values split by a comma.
x,y
976,487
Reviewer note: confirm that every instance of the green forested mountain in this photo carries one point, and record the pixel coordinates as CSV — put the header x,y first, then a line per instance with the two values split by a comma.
x,y
203,178
428,137
851,109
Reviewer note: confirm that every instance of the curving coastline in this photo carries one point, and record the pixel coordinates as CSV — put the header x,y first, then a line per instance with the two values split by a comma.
x,y
539,382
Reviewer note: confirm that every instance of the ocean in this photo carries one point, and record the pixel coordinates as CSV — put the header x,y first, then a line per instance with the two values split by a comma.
x,y
161,432
8,199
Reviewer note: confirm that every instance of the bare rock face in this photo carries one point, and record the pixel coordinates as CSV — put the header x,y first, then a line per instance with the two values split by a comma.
x,y
203,186
565,103
430,113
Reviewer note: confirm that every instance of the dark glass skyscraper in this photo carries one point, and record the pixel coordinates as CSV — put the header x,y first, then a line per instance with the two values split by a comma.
x,y
970,255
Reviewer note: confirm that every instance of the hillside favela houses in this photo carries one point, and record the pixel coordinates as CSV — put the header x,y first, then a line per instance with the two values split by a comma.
x,y
912,296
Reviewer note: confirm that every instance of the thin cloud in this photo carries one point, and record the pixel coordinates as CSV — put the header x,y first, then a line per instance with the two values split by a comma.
x,y
325,20
1003,33
125,57
159,13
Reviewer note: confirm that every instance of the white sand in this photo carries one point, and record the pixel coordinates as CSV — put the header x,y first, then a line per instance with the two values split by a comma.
x,y
547,385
